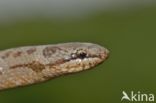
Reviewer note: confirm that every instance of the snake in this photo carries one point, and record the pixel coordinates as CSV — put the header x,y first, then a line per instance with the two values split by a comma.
x,y
22,66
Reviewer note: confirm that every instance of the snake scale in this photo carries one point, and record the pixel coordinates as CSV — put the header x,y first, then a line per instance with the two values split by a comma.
x,y
34,64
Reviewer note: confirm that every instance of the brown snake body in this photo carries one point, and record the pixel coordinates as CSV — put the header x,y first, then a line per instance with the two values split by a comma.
x,y
33,64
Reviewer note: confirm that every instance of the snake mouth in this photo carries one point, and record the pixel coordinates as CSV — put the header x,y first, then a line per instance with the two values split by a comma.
x,y
76,65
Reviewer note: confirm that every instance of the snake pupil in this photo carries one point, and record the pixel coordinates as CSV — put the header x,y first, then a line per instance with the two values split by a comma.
x,y
82,55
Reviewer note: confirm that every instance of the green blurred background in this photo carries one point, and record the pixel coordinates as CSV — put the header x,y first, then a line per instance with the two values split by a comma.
x,y
129,35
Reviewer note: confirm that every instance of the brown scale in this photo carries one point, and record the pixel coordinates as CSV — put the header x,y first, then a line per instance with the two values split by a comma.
x,y
6,55
49,51
17,54
31,51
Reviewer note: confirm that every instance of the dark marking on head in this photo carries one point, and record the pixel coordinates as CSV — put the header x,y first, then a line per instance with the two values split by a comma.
x,y
6,55
31,51
17,54
35,66
48,51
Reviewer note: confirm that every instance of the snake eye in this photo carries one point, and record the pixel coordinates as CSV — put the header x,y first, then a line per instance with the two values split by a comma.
x,y
82,55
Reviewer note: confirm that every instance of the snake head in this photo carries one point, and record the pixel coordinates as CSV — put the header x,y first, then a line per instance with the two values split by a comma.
x,y
75,57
